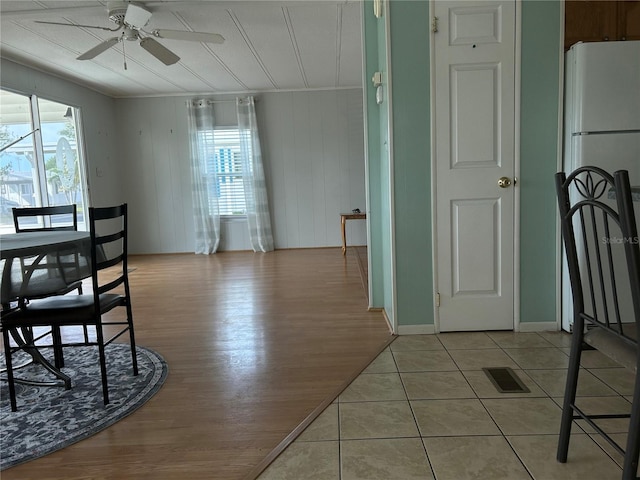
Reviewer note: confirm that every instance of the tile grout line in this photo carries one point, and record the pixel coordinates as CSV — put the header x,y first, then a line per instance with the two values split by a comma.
x,y
413,415
340,437
544,394
502,433
548,395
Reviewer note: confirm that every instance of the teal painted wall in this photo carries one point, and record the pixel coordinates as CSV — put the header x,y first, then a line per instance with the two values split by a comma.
x,y
378,165
541,44
374,179
386,176
412,161
411,220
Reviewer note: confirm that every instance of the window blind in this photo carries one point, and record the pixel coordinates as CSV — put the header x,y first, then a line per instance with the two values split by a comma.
x,y
222,150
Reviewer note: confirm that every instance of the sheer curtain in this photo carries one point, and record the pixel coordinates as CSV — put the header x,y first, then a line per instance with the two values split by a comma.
x,y
255,187
206,213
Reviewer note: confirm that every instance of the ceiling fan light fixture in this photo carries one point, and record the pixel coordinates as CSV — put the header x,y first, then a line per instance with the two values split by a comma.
x,y
130,34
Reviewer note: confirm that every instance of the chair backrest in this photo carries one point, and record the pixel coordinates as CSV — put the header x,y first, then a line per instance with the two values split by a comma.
x,y
601,244
108,230
59,217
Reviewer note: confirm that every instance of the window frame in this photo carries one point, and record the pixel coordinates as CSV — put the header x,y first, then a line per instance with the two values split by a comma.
x,y
41,186
223,177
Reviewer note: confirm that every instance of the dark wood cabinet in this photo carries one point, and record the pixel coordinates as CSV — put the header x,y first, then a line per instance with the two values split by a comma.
x,y
587,21
629,20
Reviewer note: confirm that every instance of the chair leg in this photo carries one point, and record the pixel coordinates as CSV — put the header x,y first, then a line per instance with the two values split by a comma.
x,y
10,380
103,364
570,395
57,348
85,330
132,341
630,466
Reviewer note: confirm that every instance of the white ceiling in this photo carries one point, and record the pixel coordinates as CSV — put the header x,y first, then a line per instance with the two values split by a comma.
x,y
269,45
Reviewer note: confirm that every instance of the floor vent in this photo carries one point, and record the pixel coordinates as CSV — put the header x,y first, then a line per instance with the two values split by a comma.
x,y
505,380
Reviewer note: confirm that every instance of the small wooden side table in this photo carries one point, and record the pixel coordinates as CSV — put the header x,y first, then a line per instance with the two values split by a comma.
x,y
343,222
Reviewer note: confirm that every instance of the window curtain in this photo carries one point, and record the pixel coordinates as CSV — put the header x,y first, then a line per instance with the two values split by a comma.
x,y
201,122
255,187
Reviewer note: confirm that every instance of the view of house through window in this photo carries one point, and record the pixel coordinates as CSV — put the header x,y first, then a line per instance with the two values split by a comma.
x,y
224,159
41,160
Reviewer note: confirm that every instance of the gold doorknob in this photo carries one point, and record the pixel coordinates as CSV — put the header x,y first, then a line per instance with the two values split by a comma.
x,y
504,182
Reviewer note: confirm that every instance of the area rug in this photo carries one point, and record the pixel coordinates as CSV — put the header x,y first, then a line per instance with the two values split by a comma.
x,y
51,418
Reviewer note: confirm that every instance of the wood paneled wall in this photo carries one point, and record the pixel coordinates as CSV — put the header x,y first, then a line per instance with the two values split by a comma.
x,y
313,149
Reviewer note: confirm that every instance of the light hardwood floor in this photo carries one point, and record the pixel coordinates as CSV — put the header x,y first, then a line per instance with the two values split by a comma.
x,y
256,344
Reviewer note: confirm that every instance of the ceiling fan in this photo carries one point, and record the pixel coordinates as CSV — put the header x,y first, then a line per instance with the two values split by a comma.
x,y
130,19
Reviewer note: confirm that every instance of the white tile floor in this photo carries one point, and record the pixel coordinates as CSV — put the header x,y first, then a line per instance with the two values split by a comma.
x,y
424,409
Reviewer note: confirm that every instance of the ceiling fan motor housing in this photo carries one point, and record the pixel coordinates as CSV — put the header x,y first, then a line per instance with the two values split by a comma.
x,y
117,11
131,14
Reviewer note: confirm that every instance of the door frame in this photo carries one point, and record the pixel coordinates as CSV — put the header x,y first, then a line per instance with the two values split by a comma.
x,y
434,179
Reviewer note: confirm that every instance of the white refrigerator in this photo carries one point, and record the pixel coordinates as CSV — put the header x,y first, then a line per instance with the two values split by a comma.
x,y
602,119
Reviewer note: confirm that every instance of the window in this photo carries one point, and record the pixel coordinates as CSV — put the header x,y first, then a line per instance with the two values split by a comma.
x,y
41,162
223,158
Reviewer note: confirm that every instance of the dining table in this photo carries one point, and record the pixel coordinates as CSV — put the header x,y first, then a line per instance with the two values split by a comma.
x,y
41,263
37,264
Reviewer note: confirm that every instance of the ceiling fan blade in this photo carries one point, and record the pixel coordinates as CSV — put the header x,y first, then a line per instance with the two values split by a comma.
x,y
162,53
137,16
78,25
98,49
190,36
23,14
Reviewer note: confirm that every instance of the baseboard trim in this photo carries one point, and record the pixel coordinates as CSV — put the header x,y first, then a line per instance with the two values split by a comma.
x,y
386,319
416,329
522,327
537,327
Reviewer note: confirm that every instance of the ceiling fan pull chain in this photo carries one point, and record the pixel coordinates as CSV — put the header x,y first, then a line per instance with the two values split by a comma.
x,y
124,56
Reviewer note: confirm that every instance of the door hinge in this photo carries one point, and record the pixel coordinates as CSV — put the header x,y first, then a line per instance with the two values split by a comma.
x,y
434,25
437,299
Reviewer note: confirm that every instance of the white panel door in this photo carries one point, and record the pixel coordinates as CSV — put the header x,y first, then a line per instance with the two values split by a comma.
x,y
475,147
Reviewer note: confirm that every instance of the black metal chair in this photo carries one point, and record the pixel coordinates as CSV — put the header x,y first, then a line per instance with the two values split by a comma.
x,y
110,289
47,214
67,216
603,257
51,218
